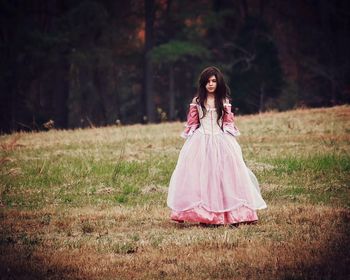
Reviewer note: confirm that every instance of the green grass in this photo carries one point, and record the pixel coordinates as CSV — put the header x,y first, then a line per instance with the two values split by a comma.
x,y
316,179
74,181
318,163
80,181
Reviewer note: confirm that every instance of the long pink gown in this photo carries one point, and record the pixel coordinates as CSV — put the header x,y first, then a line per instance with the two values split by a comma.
x,y
211,183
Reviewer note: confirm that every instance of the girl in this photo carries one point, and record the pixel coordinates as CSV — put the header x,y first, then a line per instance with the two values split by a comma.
x,y
211,183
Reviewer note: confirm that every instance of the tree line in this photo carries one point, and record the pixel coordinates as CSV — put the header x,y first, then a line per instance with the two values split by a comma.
x,y
68,64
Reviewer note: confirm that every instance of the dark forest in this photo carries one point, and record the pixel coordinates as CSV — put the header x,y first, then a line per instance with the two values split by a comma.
x,y
69,64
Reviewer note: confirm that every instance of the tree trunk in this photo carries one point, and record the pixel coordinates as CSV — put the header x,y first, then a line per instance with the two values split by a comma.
x,y
244,7
148,68
60,96
262,93
171,93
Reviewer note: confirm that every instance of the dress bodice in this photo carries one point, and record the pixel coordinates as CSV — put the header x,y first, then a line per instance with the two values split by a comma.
x,y
208,123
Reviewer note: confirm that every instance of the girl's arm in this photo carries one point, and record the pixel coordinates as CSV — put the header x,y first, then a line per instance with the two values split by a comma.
x,y
192,121
228,121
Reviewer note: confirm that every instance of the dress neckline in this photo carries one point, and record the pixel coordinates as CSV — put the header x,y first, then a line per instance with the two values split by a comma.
x,y
208,109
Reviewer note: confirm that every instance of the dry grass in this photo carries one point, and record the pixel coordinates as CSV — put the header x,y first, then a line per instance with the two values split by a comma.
x,y
90,204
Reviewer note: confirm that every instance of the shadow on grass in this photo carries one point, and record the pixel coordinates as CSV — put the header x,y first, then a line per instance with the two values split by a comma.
x,y
184,225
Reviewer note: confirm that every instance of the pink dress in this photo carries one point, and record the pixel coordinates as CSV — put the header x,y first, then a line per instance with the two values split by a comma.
x,y
211,183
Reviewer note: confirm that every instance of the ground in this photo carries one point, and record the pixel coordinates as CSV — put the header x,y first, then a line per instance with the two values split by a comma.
x,y
91,203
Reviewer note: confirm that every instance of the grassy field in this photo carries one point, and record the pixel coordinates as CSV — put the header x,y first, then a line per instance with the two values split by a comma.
x,y
91,203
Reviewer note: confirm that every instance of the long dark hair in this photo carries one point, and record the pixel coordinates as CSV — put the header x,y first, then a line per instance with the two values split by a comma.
x,y
222,91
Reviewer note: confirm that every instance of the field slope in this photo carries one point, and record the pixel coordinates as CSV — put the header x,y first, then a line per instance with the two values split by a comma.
x,y
91,203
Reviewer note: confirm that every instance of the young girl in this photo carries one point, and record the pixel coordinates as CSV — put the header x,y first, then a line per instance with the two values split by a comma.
x,y
211,183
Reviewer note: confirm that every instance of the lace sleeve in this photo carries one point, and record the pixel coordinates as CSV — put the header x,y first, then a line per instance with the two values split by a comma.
x,y
228,121
192,121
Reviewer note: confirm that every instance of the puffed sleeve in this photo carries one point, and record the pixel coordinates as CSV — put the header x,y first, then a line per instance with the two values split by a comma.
x,y
228,121
192,121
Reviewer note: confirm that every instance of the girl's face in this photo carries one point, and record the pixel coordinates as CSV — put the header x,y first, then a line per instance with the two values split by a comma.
x,y
211,84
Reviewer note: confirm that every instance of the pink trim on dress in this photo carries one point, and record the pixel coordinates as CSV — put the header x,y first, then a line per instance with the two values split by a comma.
x,y
192,121
228,121
199,214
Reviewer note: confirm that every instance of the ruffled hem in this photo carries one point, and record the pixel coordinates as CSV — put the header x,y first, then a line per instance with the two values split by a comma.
x,y
201,215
